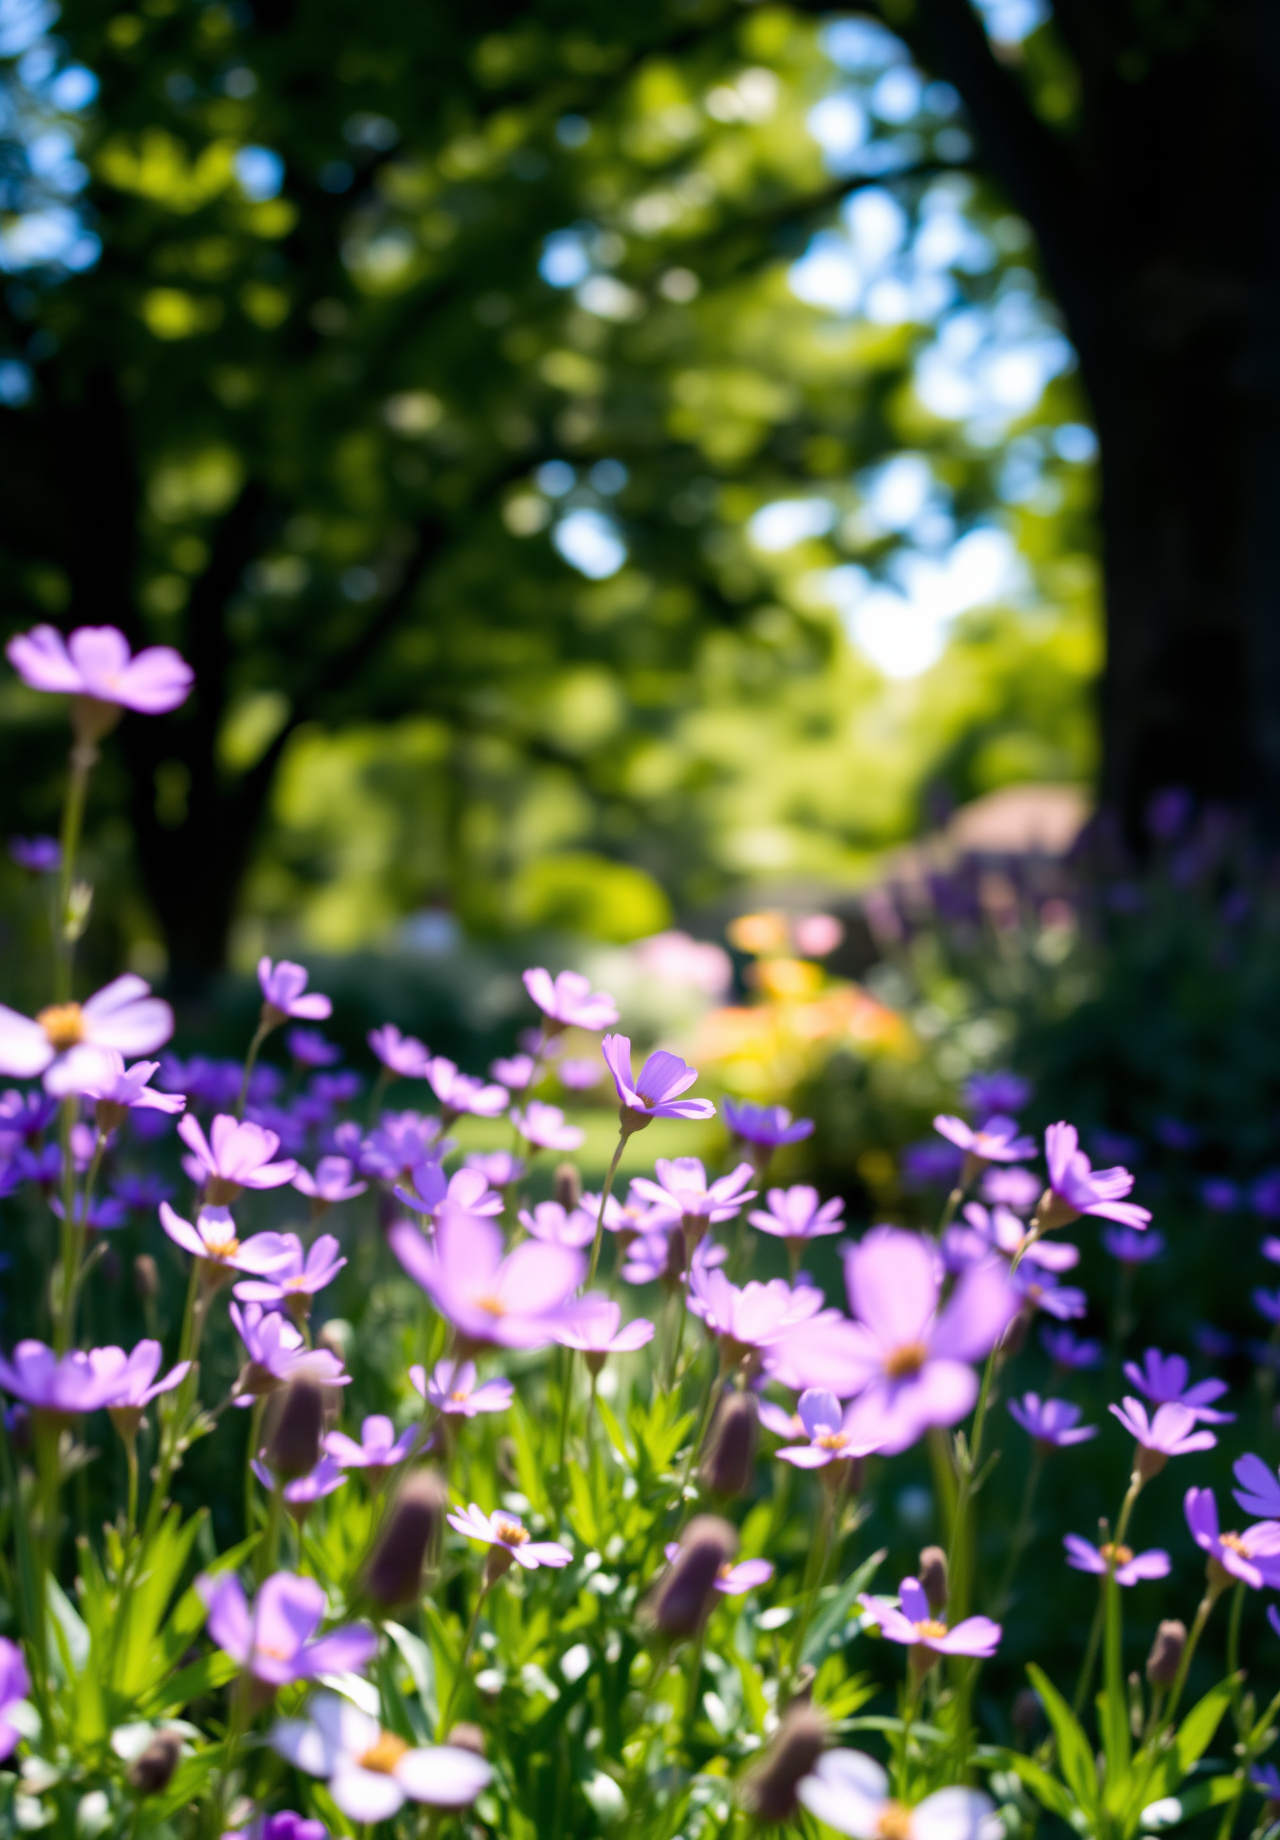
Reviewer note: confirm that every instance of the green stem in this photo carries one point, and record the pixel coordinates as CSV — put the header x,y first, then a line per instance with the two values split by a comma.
x,y
1090,1655
605,1192
447,1716
260,1034
1233,1655
1203,1613
815,1571
72,1235
83,758
131,1460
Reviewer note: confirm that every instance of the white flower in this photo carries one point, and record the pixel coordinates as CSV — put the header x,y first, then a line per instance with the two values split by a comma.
x,y
372,1772
848,1791
123,1015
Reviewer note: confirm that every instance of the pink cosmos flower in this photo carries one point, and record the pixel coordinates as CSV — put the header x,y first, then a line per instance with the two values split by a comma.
x,y
914,1625
682,1193
599,1332
15,1684
1129,1566
123,1016
544,1127
568,1001
235,1156
276,1640
401,1054
731,1580
213,1238
371,1773
70,1384
1076,1187
513,1071
850,1792
283,987
379,1449
656,1092
911,1358
757,1317
505,1531
577,1074
452,1389
331,1182
295,1283
459,1092
277,1354
996,1142
1171,1433
95,662
834,1435
99,1073
1253,1556
795,1214
1053,1423
555,1226
1163,1380
466,1191
517,1302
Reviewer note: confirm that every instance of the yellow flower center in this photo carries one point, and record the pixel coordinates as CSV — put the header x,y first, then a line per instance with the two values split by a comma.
x,y
1118,1555
930,1629
1234,1543
901,1363
494,1305
893,1822
384,1755
457,1399
831,1440
221,1249
63,1024
511,1533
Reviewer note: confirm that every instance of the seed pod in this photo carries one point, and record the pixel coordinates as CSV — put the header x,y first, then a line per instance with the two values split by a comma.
x,y
152,1771
933,1578
1166,1653
769,1791
682,1596
1025,1715
567,1186
146,1278
729,1465
293,1447
409,1537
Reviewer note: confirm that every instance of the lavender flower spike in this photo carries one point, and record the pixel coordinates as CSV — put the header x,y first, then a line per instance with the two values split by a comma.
x,y
95,663
1163,1380
452,1389
914,1625
655,1093
285,995
371,1773
568,1001
1076,1187
517,1302
1053,1423
1251,1557
1129,1566
276,1640
122,1015
850,1793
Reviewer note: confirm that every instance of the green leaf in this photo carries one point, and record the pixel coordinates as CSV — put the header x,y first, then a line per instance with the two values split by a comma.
x,y
1195,1734
834,1615
1172,1809
1046,1789
1075,1757
617,1436
1112,1702
418,1659
189,1683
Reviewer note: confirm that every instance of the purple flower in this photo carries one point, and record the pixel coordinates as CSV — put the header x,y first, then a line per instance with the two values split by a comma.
x,y
106,1212
1252,1557
1163,1380
1264,1196
235,1156
1219,1195
755,1318
99,1073
516,1302
577,1074
928,1164
283,1826
914,1625
1129,1567
71,1384
142,1194
659,1256
401,1141
768,1126
459,1092
999,1092
452,1389
134,1385
1053,1423
997,1141
911,1358
330,1089
732,1580
1259,1491
303,1492
504,1531
15,1684
331,1182
95,663
1066,1351
1040,1290
834,1435
284,987
656,1093
632,1216
401,1054
1270,1249
465,1192
498,1167
276,1640
277,1354
514,1071
295,1283
600,1333
371,1773
850,1792
123,1015
1130,1248
39,856
379,1449
1265,1777
1010,1187
683,1193
1000,1230
568,1001
1171,1433
796,1214
26,1115
310,1049
544,1127
1175,1135
1076,1187
1267,1303
557,1226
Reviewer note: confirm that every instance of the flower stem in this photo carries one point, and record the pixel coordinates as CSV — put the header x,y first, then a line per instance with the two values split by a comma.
x,y
260,1034
447,1715
1233,1655
1203,1612
72,1235
83,757
1090,1653
815,1572
605,1192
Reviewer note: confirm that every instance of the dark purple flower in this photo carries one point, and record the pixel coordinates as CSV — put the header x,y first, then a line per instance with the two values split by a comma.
x,y
1065,1350
106,1212
1077,1188
1163,1380
143,1193
655,1091
1267,1303
1040,1290
1126,1566
1053,1423
518,1301
276,1640
1130,1248
1264,1196
310,1049
401,1141
1174,1135
999,1092
336,1088
1252,1557
1219,1195
27,1114
284,992
285,1826
95,663
38,855
769,1126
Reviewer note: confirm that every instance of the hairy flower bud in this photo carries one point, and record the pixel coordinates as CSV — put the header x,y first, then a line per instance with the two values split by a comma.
x,y
769,1790
1166,1653
146,1278
408,1540
151,1772
293,1445
1147,1462
933,1578
682,1596
567,1186
729,1464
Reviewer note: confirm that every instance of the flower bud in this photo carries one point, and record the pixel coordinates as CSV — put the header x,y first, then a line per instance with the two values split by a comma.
x,y
1148,1463
407,1541
567,1186
769,1790
293,1446
1166,1653
146,1278
151,1772
933,1578
464,1737
1025,1715
729,1465
682,1596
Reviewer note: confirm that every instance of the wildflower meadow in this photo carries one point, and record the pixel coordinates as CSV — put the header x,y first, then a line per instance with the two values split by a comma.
x,y
354,1482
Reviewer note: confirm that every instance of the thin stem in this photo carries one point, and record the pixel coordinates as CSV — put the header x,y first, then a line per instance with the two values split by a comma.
x,y
605,1192
1090,1653
815,1571
260,1034
709,1403
447,1715
1233,1654
1203,1613
376,1097
72,1235
695,1681
82,763
131,1460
